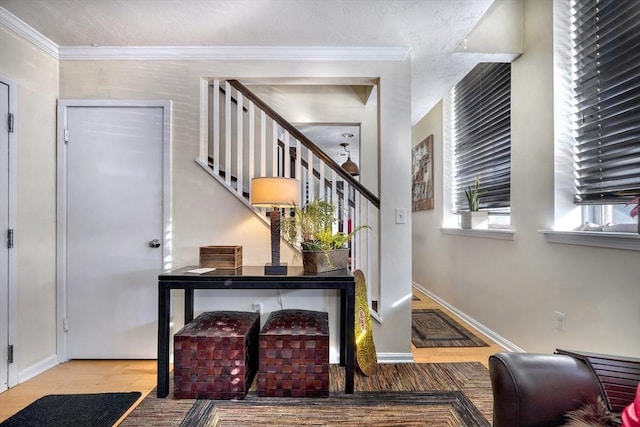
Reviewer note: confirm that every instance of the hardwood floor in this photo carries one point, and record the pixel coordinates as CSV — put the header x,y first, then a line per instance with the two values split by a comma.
x,y
95,376
452,354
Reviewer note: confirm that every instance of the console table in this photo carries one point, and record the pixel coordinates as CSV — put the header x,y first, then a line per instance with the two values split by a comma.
x,y
253,277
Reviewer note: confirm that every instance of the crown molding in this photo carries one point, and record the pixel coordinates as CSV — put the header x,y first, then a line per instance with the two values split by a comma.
x,y
22,29
270,53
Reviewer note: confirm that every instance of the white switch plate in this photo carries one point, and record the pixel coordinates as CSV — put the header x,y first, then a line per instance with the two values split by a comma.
x,y
401,216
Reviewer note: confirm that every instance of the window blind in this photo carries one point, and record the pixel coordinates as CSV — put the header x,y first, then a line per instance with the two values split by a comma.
x,y
606,63
481,135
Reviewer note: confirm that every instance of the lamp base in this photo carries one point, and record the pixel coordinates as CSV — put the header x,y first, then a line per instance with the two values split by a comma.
x,y
280,269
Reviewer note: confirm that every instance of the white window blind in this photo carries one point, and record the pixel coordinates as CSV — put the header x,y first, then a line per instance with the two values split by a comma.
x,y
481,135
606,79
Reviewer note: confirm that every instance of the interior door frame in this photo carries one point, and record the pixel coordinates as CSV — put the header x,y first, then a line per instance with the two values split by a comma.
x,y
12,198
61,183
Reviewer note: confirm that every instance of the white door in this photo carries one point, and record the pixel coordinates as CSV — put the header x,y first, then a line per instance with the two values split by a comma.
x,y
8,172
115,205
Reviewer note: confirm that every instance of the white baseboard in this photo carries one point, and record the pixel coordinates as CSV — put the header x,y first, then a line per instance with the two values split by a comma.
x,y
395,357
38,368
508,345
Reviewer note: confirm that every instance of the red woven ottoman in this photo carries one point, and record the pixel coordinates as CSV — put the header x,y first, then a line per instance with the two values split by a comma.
x,y
294,354
216,356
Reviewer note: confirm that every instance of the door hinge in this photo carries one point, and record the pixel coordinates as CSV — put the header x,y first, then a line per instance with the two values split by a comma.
x,y
10,238
65,325
66,135
10,122
10,354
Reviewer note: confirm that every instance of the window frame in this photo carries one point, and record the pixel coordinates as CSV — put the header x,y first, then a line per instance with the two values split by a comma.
x,y
567,215
500,217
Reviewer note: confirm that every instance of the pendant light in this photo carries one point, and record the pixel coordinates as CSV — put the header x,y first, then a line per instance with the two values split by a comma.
x,y
350,166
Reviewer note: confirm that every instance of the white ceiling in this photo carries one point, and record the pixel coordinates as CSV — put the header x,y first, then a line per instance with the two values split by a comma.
x,y
430,29
328,138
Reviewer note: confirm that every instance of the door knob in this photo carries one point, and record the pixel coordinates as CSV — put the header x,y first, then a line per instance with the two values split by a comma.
x,y
155,243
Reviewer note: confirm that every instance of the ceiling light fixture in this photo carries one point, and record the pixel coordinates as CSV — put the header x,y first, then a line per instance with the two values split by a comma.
x,y
350,166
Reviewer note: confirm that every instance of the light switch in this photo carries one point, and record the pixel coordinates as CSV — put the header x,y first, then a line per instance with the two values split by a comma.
x,y
401,216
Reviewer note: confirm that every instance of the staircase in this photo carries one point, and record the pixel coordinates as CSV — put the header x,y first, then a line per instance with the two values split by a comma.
x,y
243,138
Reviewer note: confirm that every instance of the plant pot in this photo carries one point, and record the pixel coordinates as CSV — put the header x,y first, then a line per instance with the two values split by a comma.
x,y
319,262
469,220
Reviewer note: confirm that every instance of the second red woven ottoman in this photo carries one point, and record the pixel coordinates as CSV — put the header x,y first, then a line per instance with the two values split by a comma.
x,y
294,354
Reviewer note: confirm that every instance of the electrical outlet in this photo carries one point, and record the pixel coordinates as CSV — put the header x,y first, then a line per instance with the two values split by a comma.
x,y
561,321
257,307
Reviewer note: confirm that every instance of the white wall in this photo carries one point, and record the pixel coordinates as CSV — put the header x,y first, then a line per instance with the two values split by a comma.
x,y
36,74
515,287
204,213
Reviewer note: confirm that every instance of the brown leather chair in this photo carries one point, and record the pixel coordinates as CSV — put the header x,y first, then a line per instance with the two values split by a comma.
x,y
532,389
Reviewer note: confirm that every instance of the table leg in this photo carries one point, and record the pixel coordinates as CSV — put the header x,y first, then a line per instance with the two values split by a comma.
x,y
350,338
164,313
188,306
343,326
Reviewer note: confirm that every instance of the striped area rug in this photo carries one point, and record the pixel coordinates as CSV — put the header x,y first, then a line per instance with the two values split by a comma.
x,y
436,394
433,328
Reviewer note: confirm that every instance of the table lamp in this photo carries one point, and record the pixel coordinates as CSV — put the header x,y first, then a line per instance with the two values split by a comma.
x,y
276,193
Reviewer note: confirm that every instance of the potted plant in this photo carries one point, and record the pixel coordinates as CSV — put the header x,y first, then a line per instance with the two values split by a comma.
x,y
473,218
310,229
635,211
634,202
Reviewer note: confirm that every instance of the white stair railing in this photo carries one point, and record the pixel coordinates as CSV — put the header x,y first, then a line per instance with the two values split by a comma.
x,y
245,138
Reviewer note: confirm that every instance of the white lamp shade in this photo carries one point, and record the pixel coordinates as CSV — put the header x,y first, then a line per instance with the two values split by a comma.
x,y
275,191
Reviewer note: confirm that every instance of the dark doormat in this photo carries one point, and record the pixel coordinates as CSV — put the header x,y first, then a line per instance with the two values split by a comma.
x,y
61,410
433,328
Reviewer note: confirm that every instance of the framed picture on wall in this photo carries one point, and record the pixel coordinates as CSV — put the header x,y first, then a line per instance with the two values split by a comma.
x,y
422,175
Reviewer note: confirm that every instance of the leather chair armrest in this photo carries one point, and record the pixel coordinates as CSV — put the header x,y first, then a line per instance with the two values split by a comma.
x,y
531,389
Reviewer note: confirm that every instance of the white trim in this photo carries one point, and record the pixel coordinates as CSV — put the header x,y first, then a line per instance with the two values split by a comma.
x,y
395,357
61,232
37,369
204,119
375,315
24,30
483,233
13,223
600,239
61,185
12,279
508,345
267,53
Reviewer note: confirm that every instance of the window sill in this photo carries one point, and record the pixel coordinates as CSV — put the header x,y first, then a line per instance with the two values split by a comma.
x,y
601,239
485,233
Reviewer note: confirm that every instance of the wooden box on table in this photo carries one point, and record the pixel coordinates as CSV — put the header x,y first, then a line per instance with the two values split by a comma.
x,y
221,257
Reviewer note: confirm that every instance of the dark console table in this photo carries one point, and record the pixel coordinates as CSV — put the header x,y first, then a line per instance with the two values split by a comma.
x,y
253,278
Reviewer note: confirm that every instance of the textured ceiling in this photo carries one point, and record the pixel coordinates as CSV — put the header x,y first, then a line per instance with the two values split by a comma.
x,y
431,29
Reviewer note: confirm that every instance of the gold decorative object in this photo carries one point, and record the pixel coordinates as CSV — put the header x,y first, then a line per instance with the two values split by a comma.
x,y
366,358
